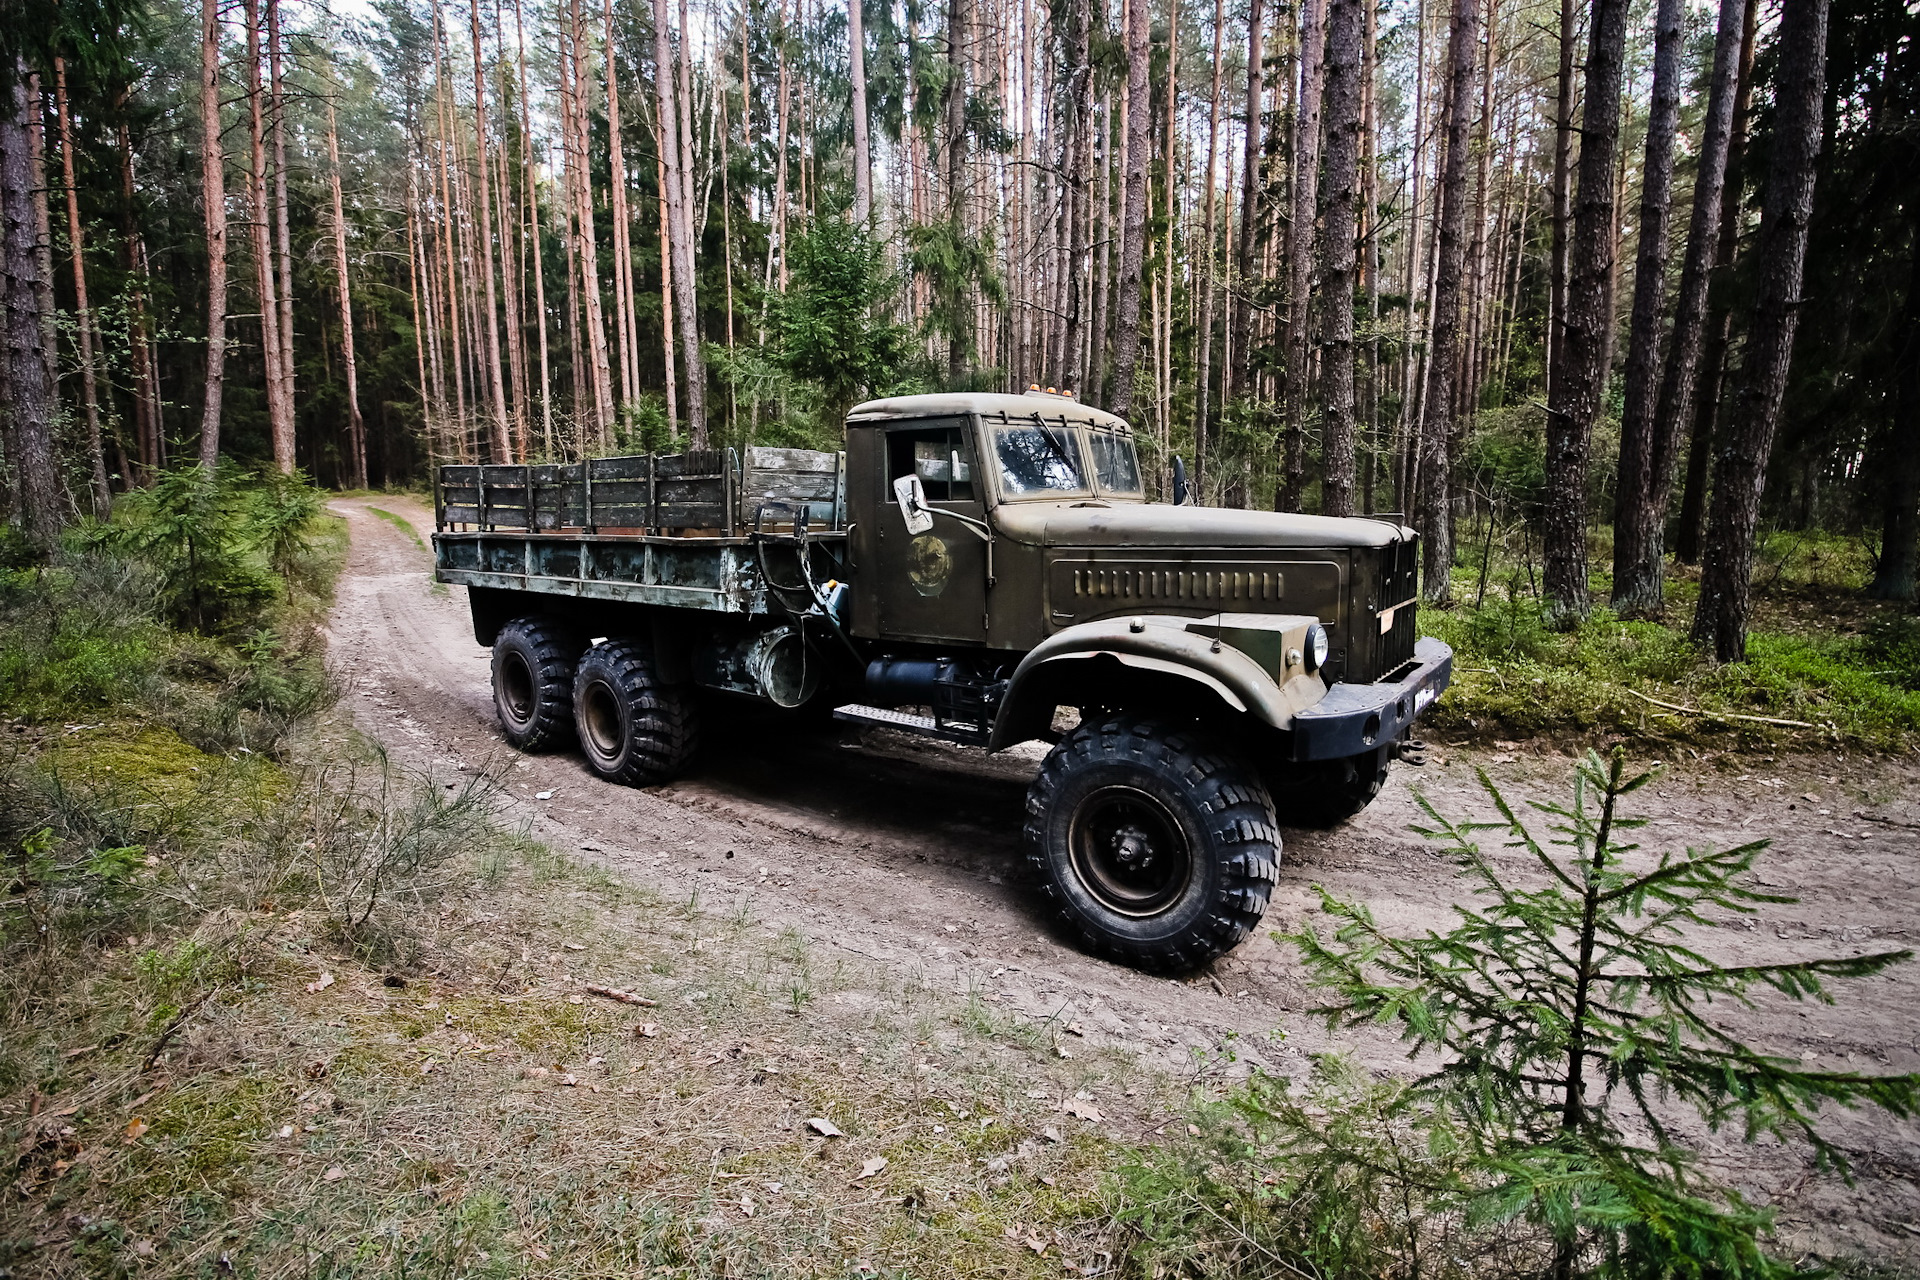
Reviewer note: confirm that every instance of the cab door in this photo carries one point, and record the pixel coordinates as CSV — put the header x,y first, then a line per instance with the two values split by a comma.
x,y
933,585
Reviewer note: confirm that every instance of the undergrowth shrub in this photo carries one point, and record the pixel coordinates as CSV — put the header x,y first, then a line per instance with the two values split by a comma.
x,y
1519,676
78,634
1560,1030
195,606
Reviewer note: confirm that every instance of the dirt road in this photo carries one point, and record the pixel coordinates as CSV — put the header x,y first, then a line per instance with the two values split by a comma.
x,y
908,852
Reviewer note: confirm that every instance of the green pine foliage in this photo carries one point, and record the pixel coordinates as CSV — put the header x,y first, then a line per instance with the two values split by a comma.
x,y
1567,1054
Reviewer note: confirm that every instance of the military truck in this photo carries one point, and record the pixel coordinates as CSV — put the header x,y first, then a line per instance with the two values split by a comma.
x,y
984,569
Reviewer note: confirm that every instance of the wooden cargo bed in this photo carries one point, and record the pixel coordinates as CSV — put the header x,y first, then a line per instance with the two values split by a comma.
x,y
699,530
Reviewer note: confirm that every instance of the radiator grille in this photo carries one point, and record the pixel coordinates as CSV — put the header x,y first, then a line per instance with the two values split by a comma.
x,y
1400,581
1229,585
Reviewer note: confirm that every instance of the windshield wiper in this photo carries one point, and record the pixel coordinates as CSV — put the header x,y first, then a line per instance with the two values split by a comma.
x,y
1053,447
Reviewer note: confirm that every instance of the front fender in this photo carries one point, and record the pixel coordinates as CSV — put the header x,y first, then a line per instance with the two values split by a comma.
x,y
1200,650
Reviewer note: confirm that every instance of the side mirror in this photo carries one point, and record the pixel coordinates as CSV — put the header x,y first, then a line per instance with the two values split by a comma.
x,y
1179,482
912,497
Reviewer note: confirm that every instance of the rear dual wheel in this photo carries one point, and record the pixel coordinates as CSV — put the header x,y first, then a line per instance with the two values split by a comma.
x,y
1157,848
635,728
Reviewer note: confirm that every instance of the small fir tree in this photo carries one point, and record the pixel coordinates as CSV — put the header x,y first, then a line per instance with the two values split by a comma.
x,y
1566,1026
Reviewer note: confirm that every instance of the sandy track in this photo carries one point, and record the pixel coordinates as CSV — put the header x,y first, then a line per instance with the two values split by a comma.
x,y
907,852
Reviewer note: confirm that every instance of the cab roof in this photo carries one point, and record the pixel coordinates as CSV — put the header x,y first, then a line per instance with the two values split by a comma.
x,y
985,404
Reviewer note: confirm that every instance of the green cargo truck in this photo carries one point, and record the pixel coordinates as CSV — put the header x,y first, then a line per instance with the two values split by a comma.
x,y
984,569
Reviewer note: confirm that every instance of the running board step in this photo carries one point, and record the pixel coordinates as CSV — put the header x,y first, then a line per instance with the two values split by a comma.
x,y
907,722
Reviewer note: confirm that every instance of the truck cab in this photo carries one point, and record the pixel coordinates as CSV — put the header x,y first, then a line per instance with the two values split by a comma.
x,y
1041,564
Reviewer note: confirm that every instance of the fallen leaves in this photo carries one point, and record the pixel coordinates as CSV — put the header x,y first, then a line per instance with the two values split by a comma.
x,y
825,1127
333,1174
871,1167
1082,1108
136,1127
320,984
648,1030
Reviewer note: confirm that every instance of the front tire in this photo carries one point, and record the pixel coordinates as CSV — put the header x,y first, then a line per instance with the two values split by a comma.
x,y
635,728
1157,849
533,667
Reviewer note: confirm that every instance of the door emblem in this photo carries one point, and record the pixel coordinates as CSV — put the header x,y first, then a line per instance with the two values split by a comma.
x,y
929,564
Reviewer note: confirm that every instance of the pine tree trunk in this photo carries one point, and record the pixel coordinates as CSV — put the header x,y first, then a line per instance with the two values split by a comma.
x,y
862,155
538,253
1650,427
43,246
148,425
1299,251
445,226
83,314
1580,378
1099,237
496,384
28,408
626,337
1562,191
356,425
272,352
1075,205
1746,439
1436,425
672,379
674,151
1690,525
213,186
1407,429
1126,338
1346,37
588,248
1894,576
1367,429
1206,265
1240,312
959,23
282,230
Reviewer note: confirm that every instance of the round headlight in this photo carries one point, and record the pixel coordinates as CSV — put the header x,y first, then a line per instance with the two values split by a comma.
x,y
1315,648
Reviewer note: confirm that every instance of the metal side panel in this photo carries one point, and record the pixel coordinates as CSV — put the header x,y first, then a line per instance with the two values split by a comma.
x,y
627,592
719,577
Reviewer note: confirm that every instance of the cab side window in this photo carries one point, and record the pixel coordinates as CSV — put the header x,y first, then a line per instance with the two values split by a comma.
x,y
940,453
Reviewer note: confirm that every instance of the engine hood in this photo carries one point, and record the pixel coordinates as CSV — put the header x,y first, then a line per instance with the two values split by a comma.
x,y
1161,525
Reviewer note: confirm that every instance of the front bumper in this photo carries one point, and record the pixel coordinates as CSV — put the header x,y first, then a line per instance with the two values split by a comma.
x,y
1353,718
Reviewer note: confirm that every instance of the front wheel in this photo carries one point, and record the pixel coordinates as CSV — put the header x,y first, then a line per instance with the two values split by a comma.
x,y
635,728
1159,850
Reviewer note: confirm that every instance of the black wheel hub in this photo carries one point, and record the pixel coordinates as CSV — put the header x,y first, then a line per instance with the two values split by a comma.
x,y
516,688
601,721
1130,852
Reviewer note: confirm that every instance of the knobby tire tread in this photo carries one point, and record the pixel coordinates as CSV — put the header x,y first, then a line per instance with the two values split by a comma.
x,y
665,729
1244,840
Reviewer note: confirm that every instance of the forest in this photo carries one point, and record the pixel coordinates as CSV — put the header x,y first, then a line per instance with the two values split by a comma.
x,y
1623,286
304,973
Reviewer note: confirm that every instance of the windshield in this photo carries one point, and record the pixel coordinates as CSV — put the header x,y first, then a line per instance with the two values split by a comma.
x,y
1116,468
1038,458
